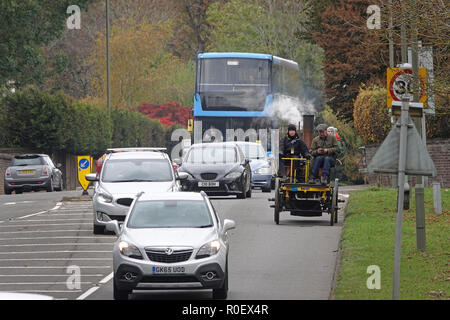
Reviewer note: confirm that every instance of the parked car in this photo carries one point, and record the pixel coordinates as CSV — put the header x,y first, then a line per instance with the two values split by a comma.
x,y
32,172
217,169
125,174
171,241
262,172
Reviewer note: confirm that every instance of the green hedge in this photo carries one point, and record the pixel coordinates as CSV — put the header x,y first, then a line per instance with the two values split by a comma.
x,y
36,119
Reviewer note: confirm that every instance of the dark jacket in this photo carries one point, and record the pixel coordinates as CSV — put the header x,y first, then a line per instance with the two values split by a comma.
x,y
329,142
300,148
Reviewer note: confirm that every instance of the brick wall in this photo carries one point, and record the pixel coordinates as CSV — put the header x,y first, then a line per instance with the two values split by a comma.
x,y
439,150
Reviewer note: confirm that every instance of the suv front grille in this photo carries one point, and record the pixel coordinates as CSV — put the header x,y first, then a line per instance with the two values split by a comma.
x,y
159,255
208,176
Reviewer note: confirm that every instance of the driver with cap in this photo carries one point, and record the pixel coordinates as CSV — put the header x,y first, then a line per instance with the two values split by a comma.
x,y
324,148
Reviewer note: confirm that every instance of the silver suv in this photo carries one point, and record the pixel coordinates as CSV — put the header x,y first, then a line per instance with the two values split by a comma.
x,y
125,173
171,241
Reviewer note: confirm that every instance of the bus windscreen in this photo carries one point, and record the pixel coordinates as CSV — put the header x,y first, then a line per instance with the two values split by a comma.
x,y
233,83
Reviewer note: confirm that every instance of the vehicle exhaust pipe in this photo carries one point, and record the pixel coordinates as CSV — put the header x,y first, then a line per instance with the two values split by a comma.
x,y
308,129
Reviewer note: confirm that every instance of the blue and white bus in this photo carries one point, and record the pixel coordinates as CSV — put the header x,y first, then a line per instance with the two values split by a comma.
x,y
239,90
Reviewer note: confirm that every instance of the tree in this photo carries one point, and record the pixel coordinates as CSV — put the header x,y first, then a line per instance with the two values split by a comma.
x,y
370,116
274,27
142,69
349,61
428,21
25,26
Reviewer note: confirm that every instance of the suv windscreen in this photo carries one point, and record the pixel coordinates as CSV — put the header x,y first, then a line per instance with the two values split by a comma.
x,y
137,170
170,214
27,161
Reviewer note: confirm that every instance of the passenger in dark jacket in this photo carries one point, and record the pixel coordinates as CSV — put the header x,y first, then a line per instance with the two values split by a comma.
x,y
324,148
291,146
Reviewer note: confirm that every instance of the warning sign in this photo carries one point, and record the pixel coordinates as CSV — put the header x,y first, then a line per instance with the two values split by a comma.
x,y
399,84
84,167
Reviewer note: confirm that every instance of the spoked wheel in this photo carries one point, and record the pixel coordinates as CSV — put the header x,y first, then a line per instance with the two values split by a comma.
x,y
276,210
334,203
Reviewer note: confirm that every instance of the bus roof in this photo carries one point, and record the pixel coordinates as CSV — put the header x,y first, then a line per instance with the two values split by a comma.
x,y
275,59
234,55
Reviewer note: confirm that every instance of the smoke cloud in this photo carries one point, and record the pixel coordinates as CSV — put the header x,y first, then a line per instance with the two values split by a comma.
x,y
292,110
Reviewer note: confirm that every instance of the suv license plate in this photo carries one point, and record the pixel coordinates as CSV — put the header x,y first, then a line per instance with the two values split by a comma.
x,y
165,270
208,184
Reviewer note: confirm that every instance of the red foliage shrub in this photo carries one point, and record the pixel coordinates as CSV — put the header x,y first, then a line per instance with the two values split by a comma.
x,y
169,113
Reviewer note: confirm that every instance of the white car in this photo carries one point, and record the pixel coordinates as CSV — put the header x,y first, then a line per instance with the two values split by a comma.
x,y
171,241
123,176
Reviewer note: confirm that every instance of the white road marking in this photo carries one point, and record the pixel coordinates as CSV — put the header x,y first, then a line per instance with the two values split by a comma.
x,y
57,206
107,278
49,291
344,195
55,244
47,275
37,283
50,220
63,251
41,212
45,225
57,267
88,293
93,289
31,215
57,259
47,231
9,203
62,237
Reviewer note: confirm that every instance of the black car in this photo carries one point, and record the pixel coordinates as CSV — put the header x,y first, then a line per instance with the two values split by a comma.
x,y
29,172
218,169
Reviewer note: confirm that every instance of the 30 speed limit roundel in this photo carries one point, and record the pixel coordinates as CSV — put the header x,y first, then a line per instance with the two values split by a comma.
x,y
399,85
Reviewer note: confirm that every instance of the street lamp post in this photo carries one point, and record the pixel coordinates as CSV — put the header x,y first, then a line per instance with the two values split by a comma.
x,y
108,76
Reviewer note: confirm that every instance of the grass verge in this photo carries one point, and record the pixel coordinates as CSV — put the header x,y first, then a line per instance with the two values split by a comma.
x,y
368,239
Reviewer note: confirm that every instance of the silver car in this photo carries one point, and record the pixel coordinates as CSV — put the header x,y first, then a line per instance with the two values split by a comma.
x,y
32,172
123,176
171,241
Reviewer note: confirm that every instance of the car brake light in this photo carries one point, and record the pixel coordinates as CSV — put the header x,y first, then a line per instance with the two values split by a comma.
x,y
45,171
8,172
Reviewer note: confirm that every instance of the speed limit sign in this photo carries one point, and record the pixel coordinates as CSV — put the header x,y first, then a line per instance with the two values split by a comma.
x,y
399,84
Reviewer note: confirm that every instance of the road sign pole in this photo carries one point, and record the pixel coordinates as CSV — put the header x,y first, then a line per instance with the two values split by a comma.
x,y
420,193
401,195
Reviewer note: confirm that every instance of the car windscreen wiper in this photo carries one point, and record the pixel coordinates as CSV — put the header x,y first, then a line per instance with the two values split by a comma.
x,y
205,226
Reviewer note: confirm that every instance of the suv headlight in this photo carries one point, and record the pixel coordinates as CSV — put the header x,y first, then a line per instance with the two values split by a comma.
x,y
104,195
264,170
129,250
233,175
209,249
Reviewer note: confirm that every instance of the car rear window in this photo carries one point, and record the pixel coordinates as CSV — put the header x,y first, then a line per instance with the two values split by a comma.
x,y
212,154
170,214
27,161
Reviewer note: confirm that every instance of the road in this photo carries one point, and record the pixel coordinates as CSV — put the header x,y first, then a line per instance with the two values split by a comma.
x,y
46,242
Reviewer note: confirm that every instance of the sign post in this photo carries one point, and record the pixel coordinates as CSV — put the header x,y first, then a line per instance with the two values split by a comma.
x,y
84,167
